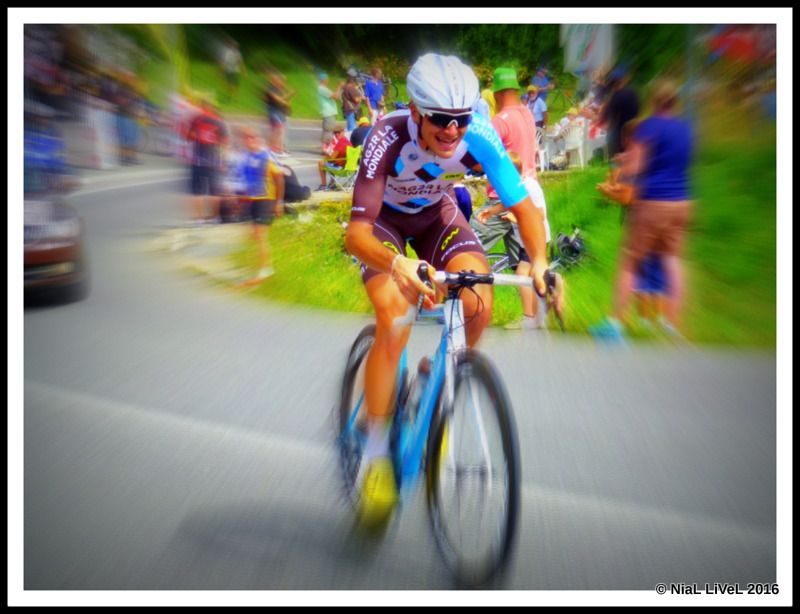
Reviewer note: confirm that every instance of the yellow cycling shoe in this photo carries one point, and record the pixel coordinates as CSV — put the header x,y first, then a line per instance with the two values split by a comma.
x,y
378,493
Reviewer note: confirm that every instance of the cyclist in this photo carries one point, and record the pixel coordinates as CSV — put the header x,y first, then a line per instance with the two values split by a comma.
x,y
403,191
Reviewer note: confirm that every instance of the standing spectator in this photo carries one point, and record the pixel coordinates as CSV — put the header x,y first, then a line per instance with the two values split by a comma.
x,y
488,95
537,106
207,134
277,99
327,107
650,289
129,110
232,66
352,97
335,154
514,123
359,135
543,82
374,91
659,156
264,189
621,107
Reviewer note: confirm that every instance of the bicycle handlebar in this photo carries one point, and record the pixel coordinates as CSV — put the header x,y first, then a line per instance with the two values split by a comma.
x,y
471,278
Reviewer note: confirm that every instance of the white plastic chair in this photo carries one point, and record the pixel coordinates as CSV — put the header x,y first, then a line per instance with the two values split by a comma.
x,y
541,150
574,141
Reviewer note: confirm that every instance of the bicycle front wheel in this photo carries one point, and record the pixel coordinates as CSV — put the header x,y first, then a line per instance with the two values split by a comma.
x,y
350,439
473,475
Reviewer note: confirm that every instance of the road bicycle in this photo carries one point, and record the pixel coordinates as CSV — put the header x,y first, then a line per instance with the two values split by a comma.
x,y
452,423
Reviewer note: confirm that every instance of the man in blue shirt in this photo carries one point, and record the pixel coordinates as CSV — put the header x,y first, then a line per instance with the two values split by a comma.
x,y
543,82
373,90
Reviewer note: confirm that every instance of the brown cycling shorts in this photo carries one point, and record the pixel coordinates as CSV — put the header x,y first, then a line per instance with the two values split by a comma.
x,y
656,226
437,234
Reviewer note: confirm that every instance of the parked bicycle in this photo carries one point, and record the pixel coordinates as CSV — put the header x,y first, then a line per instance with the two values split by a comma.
x,y
566,251
390,89
453,422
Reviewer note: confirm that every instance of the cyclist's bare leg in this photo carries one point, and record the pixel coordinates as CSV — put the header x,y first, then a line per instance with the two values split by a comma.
x,y
477,313
383,358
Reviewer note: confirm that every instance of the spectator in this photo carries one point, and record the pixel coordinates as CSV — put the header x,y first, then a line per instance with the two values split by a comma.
x,y
514,123
232,66
374,91
335,152
650,289
537,106
621,107
129,109
659,157
571,121
543,82
359,135
327,107
352,97
207,134
264,188
233,187
277,99
45,167
488,95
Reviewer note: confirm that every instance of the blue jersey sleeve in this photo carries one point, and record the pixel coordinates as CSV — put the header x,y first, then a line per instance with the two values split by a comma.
x,y
486,147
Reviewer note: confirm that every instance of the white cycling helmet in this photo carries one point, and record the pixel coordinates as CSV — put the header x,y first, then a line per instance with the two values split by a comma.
x,y
442,82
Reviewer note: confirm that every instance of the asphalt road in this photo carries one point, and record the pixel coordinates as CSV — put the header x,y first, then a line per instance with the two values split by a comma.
x,y
177,435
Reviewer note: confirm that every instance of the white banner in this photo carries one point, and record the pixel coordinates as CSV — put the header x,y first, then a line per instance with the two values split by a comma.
x,y
588,46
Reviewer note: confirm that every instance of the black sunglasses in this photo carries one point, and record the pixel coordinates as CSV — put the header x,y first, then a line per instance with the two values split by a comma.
x,y
443,120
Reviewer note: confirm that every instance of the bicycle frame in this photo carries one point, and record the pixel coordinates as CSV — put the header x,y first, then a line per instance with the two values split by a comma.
x,y
414,435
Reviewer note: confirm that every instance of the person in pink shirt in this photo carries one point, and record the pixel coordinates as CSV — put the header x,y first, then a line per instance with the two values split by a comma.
x,y
514,123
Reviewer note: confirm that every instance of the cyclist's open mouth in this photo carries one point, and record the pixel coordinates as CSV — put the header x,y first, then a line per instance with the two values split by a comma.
x,y
447,144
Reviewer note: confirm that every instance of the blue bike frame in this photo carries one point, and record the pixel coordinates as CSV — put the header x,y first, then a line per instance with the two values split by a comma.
x,y
412,436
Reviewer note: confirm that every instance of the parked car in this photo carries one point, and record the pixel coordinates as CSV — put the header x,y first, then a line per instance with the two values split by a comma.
x,y
55,252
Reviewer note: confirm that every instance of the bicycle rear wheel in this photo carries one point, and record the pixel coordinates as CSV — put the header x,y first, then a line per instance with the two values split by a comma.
x,y
350,440
473,475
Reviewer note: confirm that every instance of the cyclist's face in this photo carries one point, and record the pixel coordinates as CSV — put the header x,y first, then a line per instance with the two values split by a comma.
x,y
441,141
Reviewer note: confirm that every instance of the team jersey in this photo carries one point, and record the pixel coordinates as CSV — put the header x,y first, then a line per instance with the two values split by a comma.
x,y
397,172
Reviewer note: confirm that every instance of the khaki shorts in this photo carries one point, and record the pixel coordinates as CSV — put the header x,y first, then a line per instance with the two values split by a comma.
x,y
656,226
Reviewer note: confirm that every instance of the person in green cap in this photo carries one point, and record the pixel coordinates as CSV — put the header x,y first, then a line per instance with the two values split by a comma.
x,y
515,125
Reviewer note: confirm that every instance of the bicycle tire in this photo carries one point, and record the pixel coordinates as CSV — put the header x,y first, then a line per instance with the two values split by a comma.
x,y
471,369
391,90
348,445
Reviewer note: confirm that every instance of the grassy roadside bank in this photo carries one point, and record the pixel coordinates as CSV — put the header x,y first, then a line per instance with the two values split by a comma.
x,y
730,252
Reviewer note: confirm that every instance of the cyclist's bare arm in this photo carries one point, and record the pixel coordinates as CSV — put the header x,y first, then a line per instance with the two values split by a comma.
x,y
361,243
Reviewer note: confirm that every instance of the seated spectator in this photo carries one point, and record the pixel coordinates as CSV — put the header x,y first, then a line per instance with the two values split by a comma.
x,y
359,135
335,152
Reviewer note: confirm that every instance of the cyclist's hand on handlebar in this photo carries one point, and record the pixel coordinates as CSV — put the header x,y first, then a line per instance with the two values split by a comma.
x,y
404,274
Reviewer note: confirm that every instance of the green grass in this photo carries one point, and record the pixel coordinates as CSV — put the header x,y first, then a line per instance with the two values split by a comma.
x,y
730,252
206,77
